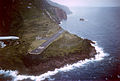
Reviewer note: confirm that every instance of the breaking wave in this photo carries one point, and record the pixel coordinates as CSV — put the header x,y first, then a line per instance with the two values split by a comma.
x,y
15,74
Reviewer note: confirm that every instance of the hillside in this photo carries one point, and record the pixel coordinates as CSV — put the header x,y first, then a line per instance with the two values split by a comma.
x,y
29,19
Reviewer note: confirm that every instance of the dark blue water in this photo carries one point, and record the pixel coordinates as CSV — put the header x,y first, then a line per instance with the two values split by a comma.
x,y
101,25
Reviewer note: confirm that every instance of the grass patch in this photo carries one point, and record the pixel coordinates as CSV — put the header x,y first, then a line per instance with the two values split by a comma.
x,y
11,57
30,23
67,44
35,44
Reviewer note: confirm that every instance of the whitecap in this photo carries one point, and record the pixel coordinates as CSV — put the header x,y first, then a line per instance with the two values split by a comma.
x,y
98,57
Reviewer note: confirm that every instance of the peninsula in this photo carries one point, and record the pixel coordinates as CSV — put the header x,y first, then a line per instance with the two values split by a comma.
x,y
42,45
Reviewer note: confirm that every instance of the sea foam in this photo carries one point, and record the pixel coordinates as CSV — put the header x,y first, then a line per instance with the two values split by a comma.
x,y
98,57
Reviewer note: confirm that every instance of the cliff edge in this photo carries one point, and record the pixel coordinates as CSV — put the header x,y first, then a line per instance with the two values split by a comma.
x,y
33,19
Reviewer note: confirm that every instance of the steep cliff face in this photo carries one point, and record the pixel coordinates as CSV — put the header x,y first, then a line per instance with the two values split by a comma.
x,y
14,12
29,19
60,14
64,8
54,12
26,19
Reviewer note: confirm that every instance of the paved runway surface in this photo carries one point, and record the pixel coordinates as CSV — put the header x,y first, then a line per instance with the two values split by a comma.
x,y
42,47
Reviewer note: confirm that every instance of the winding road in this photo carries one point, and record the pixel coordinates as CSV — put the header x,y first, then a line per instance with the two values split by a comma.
x,y
42,47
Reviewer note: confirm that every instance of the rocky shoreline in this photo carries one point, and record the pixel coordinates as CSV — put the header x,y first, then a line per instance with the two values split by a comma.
x,y
55,62
67,50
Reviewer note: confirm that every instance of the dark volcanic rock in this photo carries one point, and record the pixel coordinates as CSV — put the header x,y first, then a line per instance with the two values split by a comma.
x,y
37,67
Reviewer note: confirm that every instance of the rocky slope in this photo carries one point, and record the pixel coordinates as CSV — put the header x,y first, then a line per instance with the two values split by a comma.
x,y
66,9
29,19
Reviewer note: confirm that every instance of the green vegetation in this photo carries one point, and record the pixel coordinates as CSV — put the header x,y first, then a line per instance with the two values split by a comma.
x,y
12,55
67,44
67,49
36,44
29,23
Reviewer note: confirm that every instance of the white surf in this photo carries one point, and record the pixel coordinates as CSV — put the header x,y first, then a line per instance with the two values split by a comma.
x,y
98,57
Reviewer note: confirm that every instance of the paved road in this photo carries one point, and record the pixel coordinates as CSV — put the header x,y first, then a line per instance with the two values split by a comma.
x,y
42,47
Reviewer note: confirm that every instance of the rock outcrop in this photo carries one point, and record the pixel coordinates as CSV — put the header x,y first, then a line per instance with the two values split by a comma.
x,y
58,15
66,9
55,11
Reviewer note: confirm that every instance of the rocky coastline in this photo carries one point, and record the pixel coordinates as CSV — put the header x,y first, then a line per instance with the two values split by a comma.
x,y
55,62
67,49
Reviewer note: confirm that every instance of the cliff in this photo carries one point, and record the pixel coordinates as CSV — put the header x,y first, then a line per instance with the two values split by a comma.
x,y
29,19
14,12
64,8
54,12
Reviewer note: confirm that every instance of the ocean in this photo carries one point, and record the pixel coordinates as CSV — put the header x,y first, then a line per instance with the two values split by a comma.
x,y
102,25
